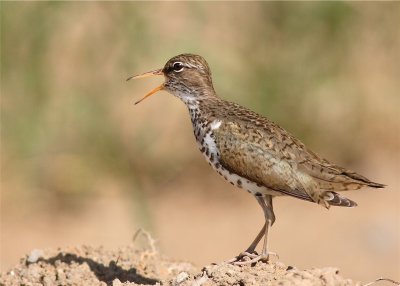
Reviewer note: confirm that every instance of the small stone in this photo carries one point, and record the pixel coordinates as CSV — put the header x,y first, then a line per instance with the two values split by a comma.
x,y
280,265
181,277
47,281
61,275
35,255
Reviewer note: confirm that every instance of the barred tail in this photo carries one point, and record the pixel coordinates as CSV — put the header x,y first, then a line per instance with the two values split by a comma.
x,y
334,199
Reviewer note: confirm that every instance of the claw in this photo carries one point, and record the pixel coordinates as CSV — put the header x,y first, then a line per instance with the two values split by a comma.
x,y
241,256
246,258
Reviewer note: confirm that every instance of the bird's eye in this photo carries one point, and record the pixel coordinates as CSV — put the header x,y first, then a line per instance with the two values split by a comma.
x,y
177,67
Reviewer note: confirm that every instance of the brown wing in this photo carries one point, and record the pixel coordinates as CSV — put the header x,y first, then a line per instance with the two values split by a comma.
x,y
246,151
258,149
333,177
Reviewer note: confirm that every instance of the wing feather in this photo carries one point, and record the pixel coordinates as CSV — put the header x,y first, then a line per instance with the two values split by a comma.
x,y
248,153
258,149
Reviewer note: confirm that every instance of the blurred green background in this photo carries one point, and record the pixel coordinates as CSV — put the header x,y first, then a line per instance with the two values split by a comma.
x,y
80,164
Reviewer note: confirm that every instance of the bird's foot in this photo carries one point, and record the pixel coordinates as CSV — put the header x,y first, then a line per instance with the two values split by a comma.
x,y
242,255
246,258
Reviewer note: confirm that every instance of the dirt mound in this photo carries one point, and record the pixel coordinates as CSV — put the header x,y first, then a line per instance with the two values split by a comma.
x,y
133,266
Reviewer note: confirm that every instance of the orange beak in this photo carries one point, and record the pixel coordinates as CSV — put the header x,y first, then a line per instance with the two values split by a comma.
x,y
147,74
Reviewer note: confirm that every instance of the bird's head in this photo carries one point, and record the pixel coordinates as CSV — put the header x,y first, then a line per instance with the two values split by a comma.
x,y
187,76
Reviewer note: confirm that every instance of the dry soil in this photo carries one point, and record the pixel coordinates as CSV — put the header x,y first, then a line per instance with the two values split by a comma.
x,y
132,265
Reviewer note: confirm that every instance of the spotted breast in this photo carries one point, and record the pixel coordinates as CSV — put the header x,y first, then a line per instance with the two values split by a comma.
x,y
205,137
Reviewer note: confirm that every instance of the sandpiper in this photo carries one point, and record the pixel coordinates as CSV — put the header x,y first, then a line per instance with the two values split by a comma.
x,y
252,152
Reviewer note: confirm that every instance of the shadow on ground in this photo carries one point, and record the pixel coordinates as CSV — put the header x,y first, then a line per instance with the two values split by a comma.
x,y
104,273
130,265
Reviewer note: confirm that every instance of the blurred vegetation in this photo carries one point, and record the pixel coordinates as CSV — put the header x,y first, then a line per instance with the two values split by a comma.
x,y
68,127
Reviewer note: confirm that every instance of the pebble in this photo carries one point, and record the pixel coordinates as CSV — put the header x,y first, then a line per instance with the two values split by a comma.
x,y
280,265
181,277
35,255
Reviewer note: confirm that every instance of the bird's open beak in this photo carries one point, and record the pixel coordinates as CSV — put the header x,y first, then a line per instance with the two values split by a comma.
x,y
147,74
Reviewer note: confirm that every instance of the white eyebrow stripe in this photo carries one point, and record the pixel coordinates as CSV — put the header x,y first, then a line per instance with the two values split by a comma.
x,y
190,65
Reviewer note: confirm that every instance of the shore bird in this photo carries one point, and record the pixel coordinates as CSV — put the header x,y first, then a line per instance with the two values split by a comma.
x,y
250,151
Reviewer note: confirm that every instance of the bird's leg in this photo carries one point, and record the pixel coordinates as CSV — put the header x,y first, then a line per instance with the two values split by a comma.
x,y
266,204
269,221
251,250
254,244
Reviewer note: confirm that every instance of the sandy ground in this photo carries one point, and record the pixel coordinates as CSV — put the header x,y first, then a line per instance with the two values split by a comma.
x,y
130,265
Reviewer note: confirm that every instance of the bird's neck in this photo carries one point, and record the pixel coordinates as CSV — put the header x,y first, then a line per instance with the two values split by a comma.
x,y
197,99
200,108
